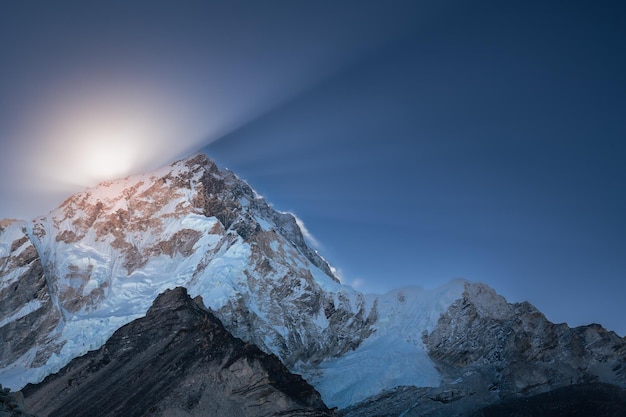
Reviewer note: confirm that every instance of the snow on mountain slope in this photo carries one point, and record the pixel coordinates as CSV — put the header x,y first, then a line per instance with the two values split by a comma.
x,y
99,260
394,354
109,251
28,317
489,351
13,244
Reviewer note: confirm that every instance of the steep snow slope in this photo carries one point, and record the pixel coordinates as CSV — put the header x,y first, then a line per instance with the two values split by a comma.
x,y
394,354
109,251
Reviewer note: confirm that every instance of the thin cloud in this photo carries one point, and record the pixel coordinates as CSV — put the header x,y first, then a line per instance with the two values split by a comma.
x,y
337,273
356,283
306,233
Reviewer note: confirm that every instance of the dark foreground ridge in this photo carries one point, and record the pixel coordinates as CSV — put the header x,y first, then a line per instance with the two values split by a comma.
x,y
581,400
11,403
178,360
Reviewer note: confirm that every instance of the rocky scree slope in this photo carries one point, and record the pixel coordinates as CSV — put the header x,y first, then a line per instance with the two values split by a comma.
x,y
178,360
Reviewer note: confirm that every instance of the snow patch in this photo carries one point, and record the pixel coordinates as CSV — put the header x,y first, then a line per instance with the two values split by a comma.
x,y
394,354
22,312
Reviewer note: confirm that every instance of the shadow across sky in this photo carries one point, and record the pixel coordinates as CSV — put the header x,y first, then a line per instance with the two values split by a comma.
x,y
418,141
486,145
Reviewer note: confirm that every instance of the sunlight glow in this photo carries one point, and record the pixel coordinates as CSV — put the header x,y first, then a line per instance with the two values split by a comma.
x,y
107,155
96,133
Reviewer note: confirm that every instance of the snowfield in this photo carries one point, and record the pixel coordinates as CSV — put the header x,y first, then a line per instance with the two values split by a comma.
x,y
109,251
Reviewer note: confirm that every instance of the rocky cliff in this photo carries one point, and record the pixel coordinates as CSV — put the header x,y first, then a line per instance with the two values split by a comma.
x,y
28,316
74,276
517,350
489,351
178,360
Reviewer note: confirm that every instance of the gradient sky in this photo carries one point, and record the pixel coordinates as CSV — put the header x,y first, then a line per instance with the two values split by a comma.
x,y
418,141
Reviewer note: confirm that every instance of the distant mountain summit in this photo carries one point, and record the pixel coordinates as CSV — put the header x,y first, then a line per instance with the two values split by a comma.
x,y
70,279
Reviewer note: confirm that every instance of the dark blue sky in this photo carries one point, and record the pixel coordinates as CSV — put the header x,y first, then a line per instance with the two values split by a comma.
x,y
418,142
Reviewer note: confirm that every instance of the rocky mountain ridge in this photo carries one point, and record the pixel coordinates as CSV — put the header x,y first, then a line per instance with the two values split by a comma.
x,y
489,351
70,279
178,360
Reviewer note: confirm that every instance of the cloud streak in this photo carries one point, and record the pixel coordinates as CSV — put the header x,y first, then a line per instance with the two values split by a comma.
x,y
308,236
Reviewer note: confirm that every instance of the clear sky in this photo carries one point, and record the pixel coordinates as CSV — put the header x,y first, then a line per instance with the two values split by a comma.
x,y
418,141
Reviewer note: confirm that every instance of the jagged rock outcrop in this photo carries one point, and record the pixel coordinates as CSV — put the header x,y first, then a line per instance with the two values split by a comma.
x,y
178,360
487,350
518,350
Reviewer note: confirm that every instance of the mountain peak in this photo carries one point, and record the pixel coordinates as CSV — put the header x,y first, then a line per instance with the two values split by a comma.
x,y
193,186
172,299
487,302
187,361
106,253
70,279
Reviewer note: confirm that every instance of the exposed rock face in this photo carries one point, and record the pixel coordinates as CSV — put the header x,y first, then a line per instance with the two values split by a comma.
x,y
99,260
178,360
488,350
517,350
28,316
12,404
580,400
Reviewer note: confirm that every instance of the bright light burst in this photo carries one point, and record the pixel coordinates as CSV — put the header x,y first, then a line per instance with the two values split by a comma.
x,y
106,155
100,133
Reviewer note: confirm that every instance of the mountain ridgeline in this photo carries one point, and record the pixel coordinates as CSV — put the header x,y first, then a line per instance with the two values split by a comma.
x,y
81,310
177,360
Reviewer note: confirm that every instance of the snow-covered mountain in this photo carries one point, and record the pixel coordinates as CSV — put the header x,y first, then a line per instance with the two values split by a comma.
x,y
69,279
487,350
103,256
